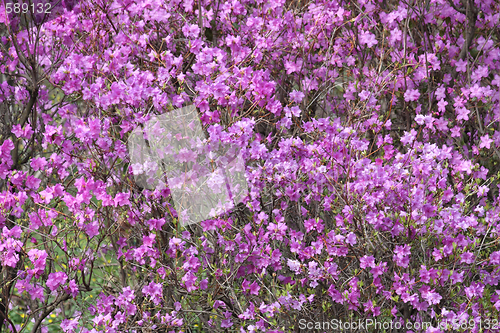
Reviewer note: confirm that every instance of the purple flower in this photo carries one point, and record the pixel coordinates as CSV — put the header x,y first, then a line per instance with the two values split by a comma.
x,y
15,232
368,38
408,137
156,224
401,256
367,261
364,95
294,266
429,210
476,91
313,224
495,258
155,291
191,30
278,230
485,142
226,323
474,290
37,293
351,239
69,325
467,257
436,253
73,287
411,95
32,182
292,67
420,119
424,274
122,199
56,279
457,277
92,229
189,280
461,66
218,304
479,73
335,295
38,258
16,129
442,105
5,149
249,313
379,269
297,96
462,114
295,111
38,163
254,288
396,36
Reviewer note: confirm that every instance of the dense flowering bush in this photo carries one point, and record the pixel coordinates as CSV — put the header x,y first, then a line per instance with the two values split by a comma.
x,y
370,134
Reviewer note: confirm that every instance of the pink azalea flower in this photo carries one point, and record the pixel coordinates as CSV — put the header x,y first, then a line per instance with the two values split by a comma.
x,y
485,142
461,66
367,261
56,279
368,38
411,95
122,199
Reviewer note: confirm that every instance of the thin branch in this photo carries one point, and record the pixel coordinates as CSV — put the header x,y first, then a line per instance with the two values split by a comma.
x,y
48,310
455,7
200,18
